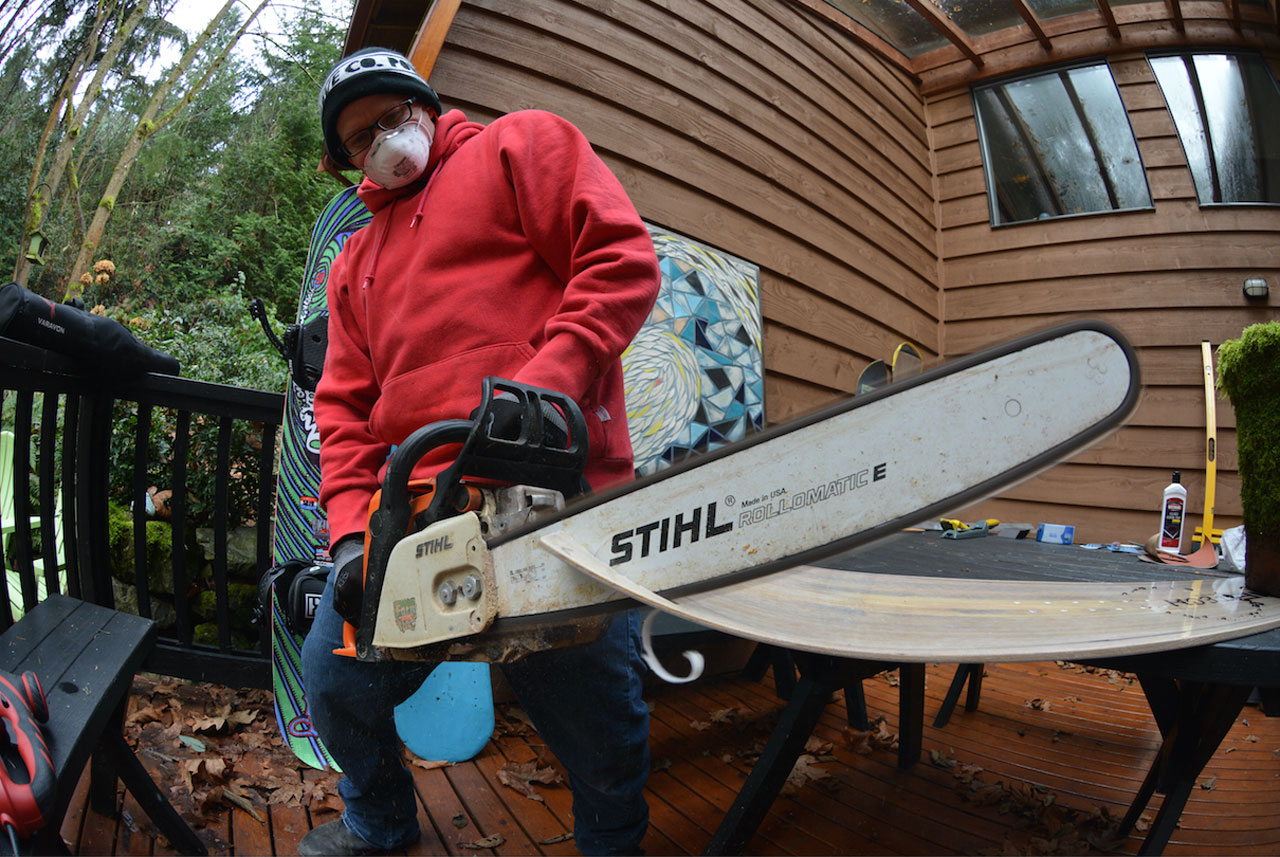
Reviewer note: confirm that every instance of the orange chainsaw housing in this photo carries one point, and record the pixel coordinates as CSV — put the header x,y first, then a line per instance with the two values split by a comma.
x,y
420,493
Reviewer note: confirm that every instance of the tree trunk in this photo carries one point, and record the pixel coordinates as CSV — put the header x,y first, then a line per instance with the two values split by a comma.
x,y
148,124
70,136
36,199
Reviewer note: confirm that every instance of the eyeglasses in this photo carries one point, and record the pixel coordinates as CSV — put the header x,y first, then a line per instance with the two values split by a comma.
x,y
389,121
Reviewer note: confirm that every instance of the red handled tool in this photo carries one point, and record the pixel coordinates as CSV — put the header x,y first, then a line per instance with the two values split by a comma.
x,y
27,778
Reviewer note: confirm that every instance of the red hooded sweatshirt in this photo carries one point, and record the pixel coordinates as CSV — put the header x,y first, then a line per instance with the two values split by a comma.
x,y
518,254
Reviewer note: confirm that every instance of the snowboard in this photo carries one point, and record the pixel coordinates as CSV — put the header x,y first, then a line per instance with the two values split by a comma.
x,y
451,716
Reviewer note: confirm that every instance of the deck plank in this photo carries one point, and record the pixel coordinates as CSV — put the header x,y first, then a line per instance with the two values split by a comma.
x,y
1086,753
288,826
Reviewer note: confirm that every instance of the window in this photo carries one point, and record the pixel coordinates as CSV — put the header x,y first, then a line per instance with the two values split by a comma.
x,y
1058,143
1226,108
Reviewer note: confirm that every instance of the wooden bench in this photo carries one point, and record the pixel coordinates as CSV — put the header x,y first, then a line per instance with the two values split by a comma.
x,y
86,656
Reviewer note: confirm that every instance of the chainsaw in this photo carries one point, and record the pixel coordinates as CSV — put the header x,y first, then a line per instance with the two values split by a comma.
x,y
470,567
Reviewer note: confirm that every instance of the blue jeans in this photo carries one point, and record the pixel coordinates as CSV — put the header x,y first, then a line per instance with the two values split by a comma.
x,y
584,701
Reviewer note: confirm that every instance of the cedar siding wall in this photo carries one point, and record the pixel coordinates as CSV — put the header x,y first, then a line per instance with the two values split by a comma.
x,y
1167,278
749,125
759,128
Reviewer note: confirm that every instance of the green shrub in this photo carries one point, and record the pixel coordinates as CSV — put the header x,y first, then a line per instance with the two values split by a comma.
x,y
216,340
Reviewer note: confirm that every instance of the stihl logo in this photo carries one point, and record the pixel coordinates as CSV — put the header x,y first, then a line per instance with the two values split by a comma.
x,y
431,546
667,533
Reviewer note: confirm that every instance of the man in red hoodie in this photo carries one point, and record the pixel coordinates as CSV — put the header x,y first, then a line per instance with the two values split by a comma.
x,y
507,250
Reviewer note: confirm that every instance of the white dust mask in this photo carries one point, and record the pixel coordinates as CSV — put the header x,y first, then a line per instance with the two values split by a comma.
x,y
399,157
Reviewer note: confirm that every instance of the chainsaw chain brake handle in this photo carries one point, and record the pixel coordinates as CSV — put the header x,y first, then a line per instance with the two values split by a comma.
x,y
524,459
24,806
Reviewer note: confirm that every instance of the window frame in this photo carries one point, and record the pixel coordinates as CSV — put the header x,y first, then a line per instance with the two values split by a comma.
x,y
988,174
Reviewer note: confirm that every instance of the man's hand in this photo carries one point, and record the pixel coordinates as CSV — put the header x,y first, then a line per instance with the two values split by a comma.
x,y
348,585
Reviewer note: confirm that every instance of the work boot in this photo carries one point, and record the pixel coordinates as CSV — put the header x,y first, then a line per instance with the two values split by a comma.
x,y
335,838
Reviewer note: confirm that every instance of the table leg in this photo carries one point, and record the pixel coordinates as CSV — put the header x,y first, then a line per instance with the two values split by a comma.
x,y
819,677
1204,714
910,714
808,699
970,674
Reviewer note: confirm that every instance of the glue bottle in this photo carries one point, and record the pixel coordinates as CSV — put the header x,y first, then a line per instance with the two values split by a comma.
x,y
1172,511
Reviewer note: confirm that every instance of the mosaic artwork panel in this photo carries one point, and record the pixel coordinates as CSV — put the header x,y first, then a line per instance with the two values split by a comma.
x,y
695,372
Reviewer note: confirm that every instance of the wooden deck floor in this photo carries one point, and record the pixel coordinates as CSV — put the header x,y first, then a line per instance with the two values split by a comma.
x,y
1051,758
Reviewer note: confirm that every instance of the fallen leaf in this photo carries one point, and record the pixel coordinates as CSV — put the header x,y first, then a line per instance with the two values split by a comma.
x,y
563,837
194,743
817,746
488,842
148,714
429,765
1038,704
522,776
941,759
243,717
243,803
727,715
287,795
804,772
1210,784
460,821
215,767
859,741
661,765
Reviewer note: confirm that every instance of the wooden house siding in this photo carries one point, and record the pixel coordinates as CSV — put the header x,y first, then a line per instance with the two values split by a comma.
x,y
1167,277
761,128
750,125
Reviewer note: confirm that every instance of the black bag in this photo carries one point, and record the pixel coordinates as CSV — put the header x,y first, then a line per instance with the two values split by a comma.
x,y
104,345
303,347
300,583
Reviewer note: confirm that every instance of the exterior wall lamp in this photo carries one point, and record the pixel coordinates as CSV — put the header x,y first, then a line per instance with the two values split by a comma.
x,y
1256,288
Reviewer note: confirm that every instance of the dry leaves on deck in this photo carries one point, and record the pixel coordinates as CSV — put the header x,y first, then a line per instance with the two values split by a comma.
x,y
1045,827
219,748
806,771
488,842
522,775
878,737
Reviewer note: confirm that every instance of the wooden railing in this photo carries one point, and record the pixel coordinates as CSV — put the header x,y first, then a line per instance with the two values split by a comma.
x,y
64,416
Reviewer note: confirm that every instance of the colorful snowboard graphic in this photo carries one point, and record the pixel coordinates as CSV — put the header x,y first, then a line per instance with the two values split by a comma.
x,y
302,531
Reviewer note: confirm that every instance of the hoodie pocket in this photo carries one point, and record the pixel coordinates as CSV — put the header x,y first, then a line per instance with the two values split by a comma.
x,y
447,389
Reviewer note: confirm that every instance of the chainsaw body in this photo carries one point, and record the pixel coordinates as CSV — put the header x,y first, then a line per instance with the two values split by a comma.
x,y
428,576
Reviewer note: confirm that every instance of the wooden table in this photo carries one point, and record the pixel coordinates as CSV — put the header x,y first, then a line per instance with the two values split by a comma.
x,y
1195,693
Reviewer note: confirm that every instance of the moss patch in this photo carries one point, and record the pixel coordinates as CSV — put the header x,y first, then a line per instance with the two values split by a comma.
x,y
1249,373
120,550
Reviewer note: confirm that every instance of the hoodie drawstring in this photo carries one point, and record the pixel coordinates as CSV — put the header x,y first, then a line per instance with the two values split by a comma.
x,y
377,250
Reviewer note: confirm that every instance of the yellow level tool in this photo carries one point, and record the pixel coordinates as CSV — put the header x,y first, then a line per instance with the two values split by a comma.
x,y
1210,449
